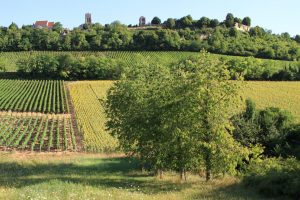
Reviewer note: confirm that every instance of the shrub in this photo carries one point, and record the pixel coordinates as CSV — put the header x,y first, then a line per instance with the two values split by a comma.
x,y
68,67
274,177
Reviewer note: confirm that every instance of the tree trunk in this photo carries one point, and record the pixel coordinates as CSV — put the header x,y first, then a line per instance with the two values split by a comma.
x,y
208,175
183,175
160,173
208,167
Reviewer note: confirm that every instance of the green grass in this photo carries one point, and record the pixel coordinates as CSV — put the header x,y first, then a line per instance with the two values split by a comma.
x,y
91,176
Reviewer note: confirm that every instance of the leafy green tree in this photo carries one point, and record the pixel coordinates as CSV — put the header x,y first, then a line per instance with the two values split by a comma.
x,y
229,21
290,143
184,22
237,20
176,118
214,23
262,127
144,90
286,35
170,23
273,122
250,113
204,22
257,32
78,40
266,53
13,26
247,21
297,38
58,27
168,39
233,32
212,98
156,21
66,43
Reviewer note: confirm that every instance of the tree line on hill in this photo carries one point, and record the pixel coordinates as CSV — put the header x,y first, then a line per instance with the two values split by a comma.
x,y
68,67
203,22
184,34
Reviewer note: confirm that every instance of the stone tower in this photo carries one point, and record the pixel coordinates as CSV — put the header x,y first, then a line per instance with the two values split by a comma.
x,y
88,18
142,21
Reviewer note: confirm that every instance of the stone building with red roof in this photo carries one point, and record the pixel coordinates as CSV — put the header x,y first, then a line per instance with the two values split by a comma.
x,y
43,24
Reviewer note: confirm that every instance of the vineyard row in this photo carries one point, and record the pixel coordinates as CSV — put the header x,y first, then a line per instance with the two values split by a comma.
x,y
37,133
33,96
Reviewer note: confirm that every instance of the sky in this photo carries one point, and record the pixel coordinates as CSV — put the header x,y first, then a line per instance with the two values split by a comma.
x,y
276,15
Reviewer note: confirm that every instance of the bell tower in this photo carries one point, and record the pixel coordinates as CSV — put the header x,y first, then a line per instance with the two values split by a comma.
x,y
88,18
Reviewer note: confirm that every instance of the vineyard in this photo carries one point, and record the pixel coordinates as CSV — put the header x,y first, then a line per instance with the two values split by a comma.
x,y
90,115
33,96
34,116
48,115
91,118
37,132
284,95
161,57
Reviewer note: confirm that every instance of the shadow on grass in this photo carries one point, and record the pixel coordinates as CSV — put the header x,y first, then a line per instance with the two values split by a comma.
x,y
113,173
230,191
122,173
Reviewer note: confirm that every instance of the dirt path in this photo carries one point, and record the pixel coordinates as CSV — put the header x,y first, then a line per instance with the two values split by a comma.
x,y
33,114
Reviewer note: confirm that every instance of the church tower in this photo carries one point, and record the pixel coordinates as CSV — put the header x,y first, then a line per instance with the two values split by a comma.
x,y
88,18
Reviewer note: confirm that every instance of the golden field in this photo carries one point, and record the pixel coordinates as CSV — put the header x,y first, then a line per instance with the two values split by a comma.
x,y
86,96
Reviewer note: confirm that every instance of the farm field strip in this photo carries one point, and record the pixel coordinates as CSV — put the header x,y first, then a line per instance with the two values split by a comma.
x,y
86,96
284,95
90,115
33,96
162,57
36,132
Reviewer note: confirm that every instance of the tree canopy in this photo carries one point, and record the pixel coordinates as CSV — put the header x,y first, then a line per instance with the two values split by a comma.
x,y
176,118
156,21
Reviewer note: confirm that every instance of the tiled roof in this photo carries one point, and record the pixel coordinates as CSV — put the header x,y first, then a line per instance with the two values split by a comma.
x,y
50,24
44,24
41,23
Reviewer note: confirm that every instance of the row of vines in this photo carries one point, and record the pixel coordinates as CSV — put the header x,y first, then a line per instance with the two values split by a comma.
x,y
33,96
90,114
37,132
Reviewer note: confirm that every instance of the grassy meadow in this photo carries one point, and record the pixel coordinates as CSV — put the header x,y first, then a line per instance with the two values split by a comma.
x,y
90,176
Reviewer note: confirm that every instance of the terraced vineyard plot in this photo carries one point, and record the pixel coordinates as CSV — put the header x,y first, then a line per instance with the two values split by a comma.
x,y
36,132
33,96
90,114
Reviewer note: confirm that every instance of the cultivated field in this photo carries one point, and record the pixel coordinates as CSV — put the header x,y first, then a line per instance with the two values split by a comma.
x,y
33,96
34,115
284,95
36,132
161,57
87,96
